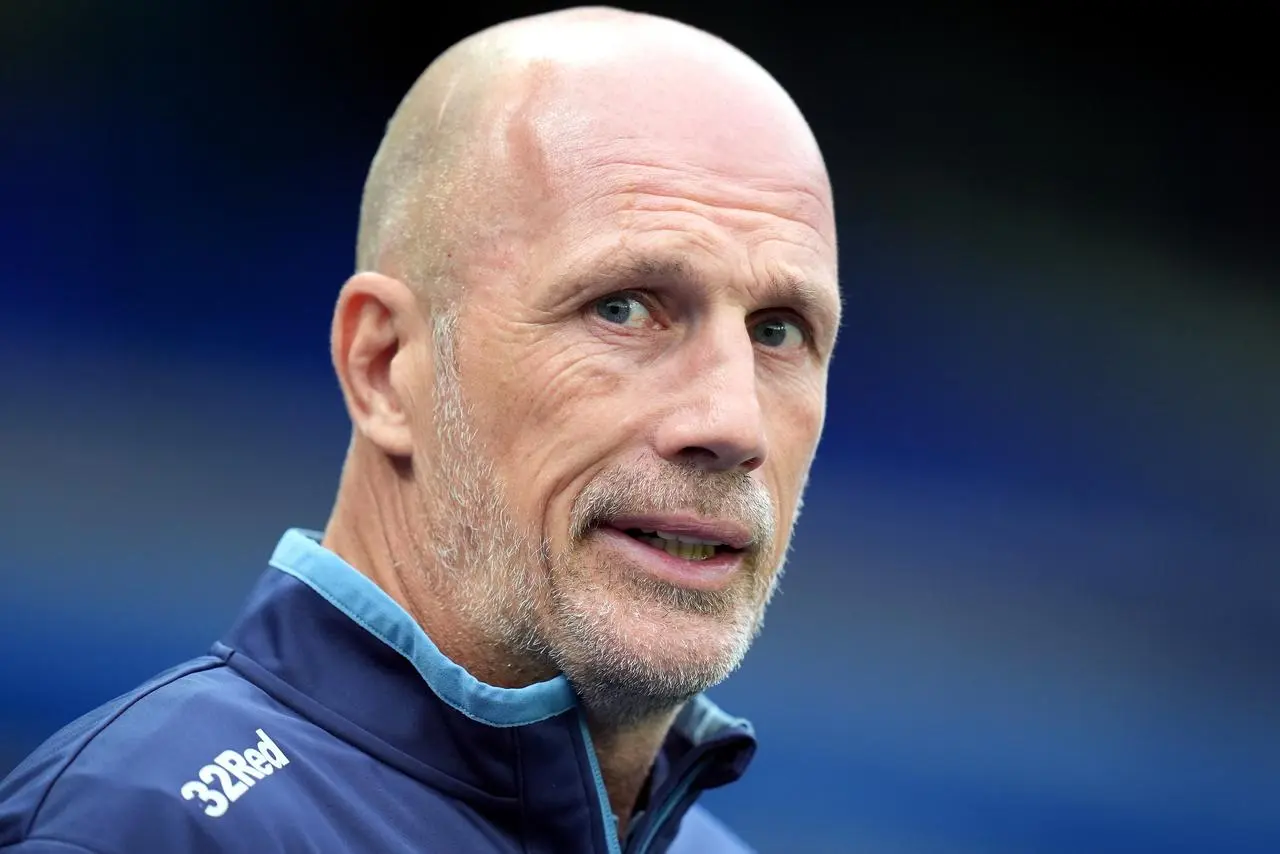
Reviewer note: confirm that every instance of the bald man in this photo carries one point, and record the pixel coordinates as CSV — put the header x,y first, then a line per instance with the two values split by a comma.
x,y
585,359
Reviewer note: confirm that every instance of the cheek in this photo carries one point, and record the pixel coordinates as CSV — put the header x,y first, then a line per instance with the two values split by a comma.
x,y
795,418
588,407
414,379
794,408
562,409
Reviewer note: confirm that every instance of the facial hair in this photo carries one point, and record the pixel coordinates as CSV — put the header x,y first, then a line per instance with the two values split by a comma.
x,y
469,546
566,611
636,646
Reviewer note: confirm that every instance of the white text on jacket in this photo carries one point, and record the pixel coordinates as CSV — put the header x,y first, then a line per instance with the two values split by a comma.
x,y
232,774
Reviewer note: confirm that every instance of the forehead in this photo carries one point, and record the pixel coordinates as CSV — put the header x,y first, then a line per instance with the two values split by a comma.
x,y
597,152
719,116
695,167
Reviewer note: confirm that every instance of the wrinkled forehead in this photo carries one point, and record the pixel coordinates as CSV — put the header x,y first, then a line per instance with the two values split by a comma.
x,y
689,114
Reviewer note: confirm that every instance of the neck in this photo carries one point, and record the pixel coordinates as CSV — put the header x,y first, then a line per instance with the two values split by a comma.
x,y
374,544
626,756
370,536
370,528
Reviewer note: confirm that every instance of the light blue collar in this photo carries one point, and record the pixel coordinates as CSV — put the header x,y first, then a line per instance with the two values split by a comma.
x,y
300,555
350,591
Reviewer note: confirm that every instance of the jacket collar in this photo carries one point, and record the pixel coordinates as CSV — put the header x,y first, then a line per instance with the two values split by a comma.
x,y
322,637
351,592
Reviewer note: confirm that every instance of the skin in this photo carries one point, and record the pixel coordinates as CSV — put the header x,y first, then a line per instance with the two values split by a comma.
x,y
598,280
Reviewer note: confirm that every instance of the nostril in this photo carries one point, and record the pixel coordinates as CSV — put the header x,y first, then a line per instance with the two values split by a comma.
x,y
698,455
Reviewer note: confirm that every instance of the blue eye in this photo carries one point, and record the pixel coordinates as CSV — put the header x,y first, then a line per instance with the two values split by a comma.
x,y
623,310
779,333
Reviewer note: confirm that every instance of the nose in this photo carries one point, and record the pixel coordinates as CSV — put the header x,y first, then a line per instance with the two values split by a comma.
x,y
718,423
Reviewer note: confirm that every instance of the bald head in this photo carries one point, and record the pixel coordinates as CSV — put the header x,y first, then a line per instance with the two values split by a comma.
x,y
624,230
475,153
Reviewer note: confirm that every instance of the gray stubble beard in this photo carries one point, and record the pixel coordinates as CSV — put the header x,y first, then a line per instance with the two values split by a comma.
x,y
546,609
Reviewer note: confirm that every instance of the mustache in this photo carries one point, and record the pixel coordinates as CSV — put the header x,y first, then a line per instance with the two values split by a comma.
x,y
667,487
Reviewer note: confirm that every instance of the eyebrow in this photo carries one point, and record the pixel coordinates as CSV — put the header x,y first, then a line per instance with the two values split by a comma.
x,y
633,270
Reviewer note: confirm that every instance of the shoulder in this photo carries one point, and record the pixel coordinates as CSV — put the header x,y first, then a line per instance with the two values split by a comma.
x,y
138,773
702,833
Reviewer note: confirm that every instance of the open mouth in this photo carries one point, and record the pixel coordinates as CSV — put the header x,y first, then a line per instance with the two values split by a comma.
x,y
680,545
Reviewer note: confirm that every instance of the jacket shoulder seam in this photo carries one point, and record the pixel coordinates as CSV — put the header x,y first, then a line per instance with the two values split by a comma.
x,y
200,667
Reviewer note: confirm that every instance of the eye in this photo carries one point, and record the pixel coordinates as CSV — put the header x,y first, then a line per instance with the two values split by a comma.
x,y
779,333
623,310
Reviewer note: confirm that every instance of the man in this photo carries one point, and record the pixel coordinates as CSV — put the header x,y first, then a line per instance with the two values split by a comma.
x,y
585,359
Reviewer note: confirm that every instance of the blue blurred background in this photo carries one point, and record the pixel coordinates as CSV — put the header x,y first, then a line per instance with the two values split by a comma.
x,y
1035,604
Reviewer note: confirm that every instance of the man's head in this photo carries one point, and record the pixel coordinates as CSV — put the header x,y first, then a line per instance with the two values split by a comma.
x,y
586,354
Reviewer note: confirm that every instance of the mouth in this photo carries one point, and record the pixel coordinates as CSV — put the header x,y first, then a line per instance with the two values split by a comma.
x,y
685,551
685,536
683,546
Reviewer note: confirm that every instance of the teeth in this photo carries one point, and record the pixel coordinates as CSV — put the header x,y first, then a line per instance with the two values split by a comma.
x,y
685,538
677,548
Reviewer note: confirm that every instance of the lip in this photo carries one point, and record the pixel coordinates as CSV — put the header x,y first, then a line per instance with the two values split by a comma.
x,y
732,534
714,573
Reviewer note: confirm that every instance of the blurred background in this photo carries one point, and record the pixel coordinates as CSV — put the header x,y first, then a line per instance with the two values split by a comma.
x,y
1035,602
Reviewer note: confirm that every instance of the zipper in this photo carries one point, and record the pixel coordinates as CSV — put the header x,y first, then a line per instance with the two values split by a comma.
x,y
669,805
606,811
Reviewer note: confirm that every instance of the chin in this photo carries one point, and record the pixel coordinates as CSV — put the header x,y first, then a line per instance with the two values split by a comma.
x,y
631,656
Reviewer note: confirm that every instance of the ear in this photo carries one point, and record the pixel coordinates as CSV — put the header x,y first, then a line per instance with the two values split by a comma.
x,y
373,323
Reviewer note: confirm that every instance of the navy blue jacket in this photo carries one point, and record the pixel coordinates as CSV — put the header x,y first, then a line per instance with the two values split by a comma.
x,y
327,721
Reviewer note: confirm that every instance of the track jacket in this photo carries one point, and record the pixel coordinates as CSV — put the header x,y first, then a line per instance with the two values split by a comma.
x,y
327,721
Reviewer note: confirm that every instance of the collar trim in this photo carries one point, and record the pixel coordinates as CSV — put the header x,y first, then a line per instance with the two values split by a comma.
x,y
300,555
701,721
